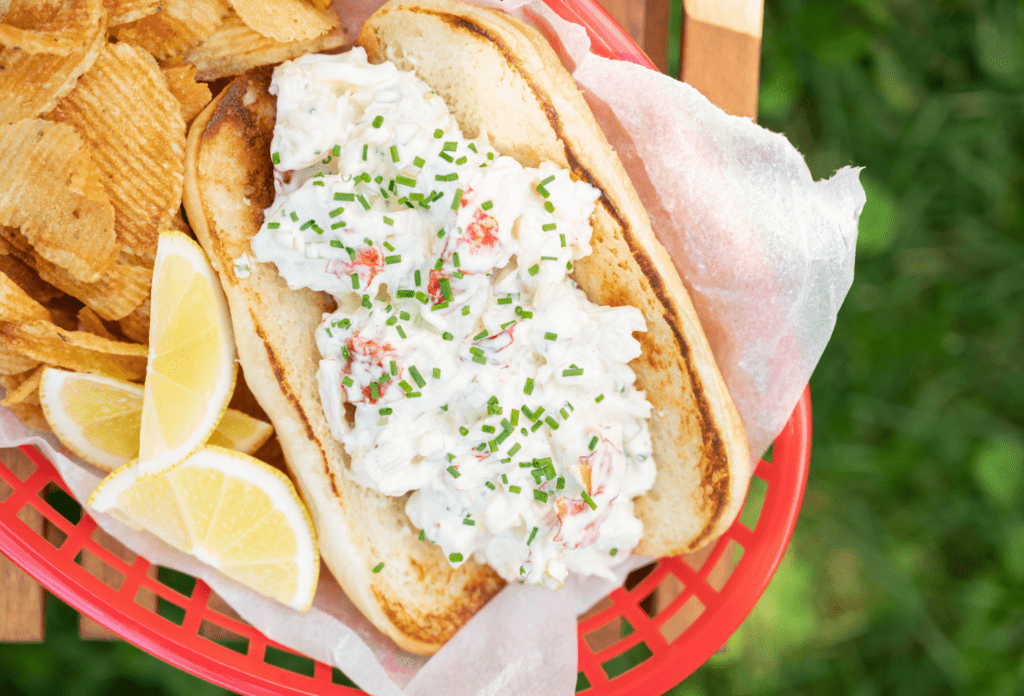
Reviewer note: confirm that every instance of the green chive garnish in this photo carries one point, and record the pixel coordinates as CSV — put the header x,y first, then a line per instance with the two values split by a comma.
x,y
457,199
420,382
588,500
532,535
534,269
405,180
572,372
393,259
377,122
600,398
276,158
355,281
454,472
550,226
455,557
513,489
377,568
344,196
548,336
418,161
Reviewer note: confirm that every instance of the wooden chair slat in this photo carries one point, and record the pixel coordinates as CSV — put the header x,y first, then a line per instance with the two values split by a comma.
x,y
22,599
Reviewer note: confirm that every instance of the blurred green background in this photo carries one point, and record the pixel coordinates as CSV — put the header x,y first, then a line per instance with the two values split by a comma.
x,y
906,571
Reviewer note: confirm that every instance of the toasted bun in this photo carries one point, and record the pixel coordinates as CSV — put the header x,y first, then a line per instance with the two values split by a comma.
x,y
500,77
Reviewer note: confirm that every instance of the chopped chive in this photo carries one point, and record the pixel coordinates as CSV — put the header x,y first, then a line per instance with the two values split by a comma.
x,y
560,484
344,196
418,161
454,472
463,430
515,448
438,133
276,158
420,382
540,495
479,359
461,160
347,381
422,297
365,151
405,180
482,334
379,567
446,289
593,443
406,387
552,422
336,212
572,372
294,217
565,414
550,226
549,206
437,373
600,398
423,535
455,557
405,293
504,300
440,234
388,221
377,122
613,552
401,331
534,269
487,205
447,336
492,445
548,258
394,153
446,177
336,151
490,485
568,265
449,146
507,324
487,428
318,183
562,237
588,500
446,157
457,199
306,225
513,489
465,310
362,202
273,225
404,315
355,281
336,244
468,522
386,411
455,259
417,279
374,391
393,259
526,315
543,191
532,534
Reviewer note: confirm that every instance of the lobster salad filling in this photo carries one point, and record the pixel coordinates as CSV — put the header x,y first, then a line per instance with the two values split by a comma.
x,y
463,364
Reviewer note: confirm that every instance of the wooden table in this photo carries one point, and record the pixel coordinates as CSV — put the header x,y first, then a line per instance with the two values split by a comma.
x,y
720,43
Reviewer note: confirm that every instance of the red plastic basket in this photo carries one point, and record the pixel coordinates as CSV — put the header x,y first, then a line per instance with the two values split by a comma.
x,y
668,637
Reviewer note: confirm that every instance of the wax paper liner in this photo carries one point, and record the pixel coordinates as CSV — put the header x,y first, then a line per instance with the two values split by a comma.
x,y
767,254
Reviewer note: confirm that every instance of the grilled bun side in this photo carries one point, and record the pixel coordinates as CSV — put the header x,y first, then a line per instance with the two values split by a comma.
x,y
501,77
418,599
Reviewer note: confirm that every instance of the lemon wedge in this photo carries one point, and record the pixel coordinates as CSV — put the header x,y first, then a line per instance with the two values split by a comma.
x,y
228,510
191,371
99,418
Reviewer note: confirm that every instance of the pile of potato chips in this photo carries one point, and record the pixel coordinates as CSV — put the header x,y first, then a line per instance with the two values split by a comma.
x,y
95,100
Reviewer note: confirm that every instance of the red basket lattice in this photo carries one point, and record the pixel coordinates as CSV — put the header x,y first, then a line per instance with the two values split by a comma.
x,y
673,651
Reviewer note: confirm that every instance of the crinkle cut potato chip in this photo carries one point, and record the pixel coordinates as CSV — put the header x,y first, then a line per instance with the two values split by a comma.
x,y
33,83
90,322
16,305
115,295
55,29
12,362
124,108
236,48
25,392
192,95
52,190
136,325
180,25
124,11
27,279
75,350
285,20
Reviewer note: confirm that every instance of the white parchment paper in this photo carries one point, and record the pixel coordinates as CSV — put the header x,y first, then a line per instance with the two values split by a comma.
x,y
767,254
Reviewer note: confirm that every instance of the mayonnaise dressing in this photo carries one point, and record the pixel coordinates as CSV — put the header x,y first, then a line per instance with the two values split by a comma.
x,y
483,380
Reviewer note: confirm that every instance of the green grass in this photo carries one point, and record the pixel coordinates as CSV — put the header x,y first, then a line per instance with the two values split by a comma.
x,y
906,572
